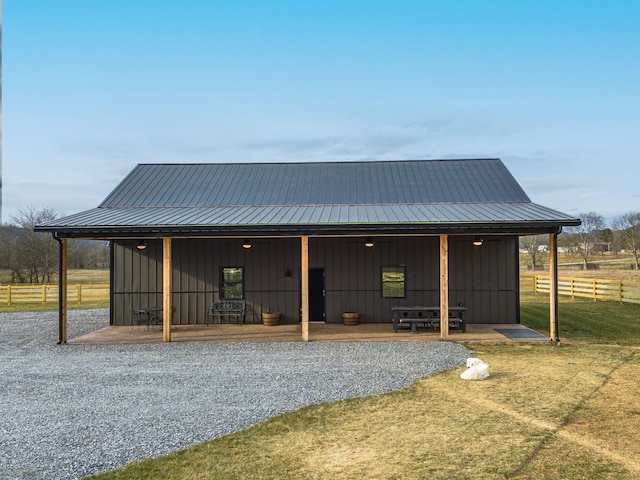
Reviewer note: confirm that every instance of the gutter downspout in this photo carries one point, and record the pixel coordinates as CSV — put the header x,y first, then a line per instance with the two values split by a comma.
x,y
62,290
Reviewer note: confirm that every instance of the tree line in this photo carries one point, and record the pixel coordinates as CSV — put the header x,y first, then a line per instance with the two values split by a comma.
x,y
27,256
593,237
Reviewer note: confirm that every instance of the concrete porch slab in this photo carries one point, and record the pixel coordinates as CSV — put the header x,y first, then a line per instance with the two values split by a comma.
x,y
318,332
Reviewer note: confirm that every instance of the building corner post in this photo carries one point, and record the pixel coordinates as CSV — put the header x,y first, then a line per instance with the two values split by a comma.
x,y
553,288
166,290
304,276
444,287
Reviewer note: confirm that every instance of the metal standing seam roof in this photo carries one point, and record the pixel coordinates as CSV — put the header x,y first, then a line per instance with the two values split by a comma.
x,y
340,183
423,194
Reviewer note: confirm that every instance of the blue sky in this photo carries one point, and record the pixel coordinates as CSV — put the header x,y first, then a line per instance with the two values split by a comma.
x,y
92,88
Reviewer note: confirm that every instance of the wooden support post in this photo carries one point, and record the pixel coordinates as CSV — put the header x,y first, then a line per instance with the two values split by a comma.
x,y
573,297
444,287
166,289
553,287
62,293
305,287
620,291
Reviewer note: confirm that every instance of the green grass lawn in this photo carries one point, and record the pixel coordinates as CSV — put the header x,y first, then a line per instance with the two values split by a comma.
x,y
583,320
547,412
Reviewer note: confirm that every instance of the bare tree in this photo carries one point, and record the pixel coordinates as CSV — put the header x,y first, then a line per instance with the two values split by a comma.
x,y
534,245
88,254
76,254
566,243
10,258
27,256
628,230
38,251
587,233
98,254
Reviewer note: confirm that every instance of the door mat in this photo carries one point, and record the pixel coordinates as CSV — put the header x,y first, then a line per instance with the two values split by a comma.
x,y
522,334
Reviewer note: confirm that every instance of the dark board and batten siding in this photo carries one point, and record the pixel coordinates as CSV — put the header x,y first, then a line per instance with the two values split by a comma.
x,y
271,284
267,288
486,279
353,274
136,279
483,279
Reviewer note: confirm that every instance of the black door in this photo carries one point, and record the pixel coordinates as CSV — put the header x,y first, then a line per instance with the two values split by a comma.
x,y
316,295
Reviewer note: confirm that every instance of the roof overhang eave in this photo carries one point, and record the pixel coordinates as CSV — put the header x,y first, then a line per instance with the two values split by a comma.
x,y
296,230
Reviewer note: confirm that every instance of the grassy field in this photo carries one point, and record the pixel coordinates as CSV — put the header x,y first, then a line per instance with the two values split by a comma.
x,y
611,267
88,276
97,275
546,412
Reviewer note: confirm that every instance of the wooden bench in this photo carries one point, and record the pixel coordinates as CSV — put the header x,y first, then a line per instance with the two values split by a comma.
x,y
427,317
227,310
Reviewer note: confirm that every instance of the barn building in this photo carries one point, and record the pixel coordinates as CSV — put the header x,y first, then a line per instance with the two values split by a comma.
x,y
314,240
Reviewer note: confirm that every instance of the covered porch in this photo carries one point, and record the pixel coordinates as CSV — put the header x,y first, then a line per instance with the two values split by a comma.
x,y
306,329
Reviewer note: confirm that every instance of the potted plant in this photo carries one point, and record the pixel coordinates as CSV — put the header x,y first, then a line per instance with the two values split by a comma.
x,y
351,318
271,319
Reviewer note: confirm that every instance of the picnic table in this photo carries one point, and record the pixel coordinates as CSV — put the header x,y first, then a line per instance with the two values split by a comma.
x,y
427,317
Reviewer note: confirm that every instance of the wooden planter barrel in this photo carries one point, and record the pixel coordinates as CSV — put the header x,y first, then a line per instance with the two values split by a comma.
x,y
271,319
350,318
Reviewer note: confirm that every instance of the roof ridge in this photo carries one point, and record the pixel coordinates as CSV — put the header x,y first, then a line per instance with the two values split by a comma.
x,y
276,205
338,162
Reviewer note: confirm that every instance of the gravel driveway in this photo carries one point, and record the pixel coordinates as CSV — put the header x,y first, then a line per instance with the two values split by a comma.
x,y
69,411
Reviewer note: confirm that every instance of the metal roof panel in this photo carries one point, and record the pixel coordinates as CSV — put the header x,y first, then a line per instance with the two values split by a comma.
x,y
311,214
349,183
